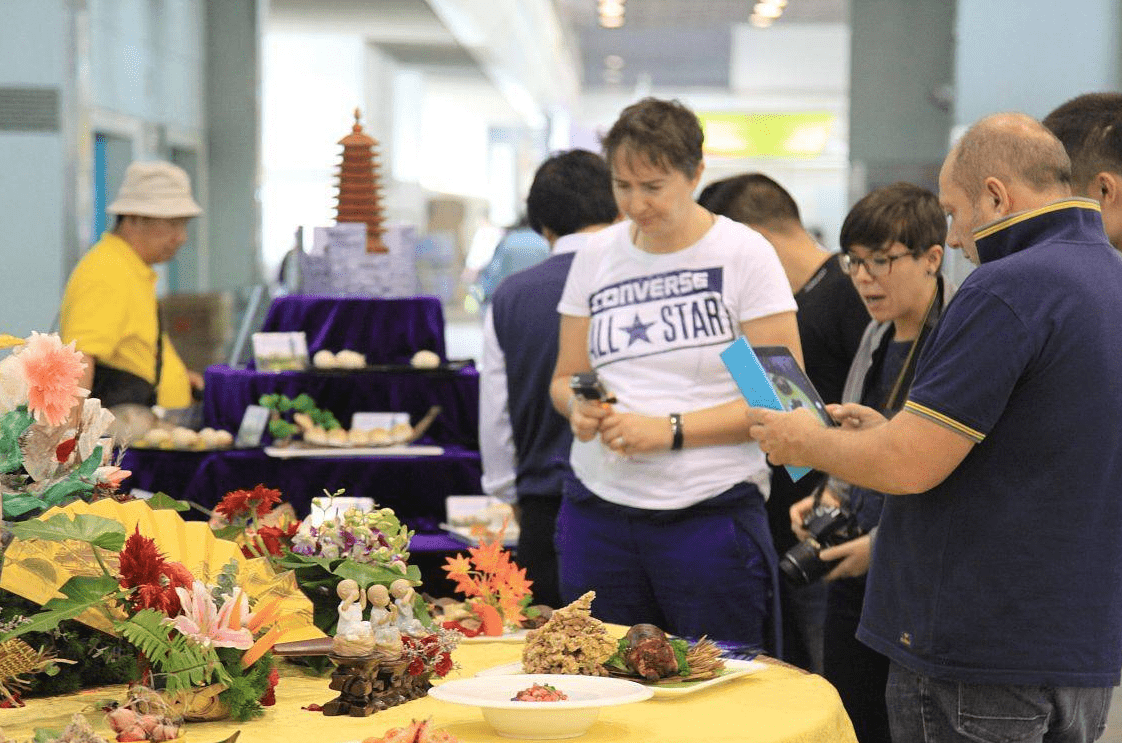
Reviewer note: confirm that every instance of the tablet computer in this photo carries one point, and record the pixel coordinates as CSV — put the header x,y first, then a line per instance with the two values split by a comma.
x,y
770,377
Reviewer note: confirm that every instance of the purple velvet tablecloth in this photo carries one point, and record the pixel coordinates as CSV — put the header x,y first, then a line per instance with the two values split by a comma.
x,y
229,391
388,331
415,487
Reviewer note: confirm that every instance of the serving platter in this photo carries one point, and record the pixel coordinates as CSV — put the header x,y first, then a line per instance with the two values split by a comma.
x,y
734,669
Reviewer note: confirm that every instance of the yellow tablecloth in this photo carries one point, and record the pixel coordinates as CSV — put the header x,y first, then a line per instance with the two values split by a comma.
x,y
774,705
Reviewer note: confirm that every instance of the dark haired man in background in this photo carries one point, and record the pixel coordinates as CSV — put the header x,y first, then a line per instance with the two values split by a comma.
x,y
831,319
523,441
1090,127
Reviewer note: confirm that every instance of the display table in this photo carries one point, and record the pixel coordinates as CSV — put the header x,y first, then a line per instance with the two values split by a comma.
x,y
229,391
777,705
414,487
387,331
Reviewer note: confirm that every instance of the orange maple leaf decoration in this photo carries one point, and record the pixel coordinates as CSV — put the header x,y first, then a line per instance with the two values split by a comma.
x,y
490,575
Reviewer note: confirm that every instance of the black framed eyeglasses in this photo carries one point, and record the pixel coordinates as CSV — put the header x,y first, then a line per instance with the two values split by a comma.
x,y
877,265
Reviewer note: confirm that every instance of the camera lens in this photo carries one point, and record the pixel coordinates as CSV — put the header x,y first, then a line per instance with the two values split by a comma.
x,y
801,565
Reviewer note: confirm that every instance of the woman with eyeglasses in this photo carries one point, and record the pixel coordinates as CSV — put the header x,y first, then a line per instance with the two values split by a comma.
x,y
892,249
663,516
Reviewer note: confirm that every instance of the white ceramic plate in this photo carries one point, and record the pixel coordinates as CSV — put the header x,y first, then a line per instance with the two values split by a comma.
x,y
463,534
733,669
400,450
540,720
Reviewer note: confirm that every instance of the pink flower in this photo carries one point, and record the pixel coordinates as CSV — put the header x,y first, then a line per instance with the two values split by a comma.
x,y
111,475
205,623
52,371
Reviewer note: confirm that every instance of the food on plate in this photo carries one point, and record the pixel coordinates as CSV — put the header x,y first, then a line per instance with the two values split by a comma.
x,y
401,432
571,641
648,653
425,359
163,437
540,693
416,732
183,438
348,359
324,359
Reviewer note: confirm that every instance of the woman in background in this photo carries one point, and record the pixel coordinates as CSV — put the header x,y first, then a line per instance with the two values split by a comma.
x,y
664,514
892,249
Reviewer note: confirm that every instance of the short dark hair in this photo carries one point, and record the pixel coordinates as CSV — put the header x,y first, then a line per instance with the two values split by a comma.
x,y
665,132
900,213
571,190
1010,146
1090,128
752,199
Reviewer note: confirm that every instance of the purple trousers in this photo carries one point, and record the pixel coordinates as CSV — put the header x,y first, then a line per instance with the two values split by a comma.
x,y
705,570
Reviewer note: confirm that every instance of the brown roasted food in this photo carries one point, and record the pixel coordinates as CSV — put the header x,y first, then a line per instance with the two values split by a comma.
x,y
649,652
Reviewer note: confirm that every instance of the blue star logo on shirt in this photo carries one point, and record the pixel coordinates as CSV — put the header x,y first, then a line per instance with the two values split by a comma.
x,y
637,331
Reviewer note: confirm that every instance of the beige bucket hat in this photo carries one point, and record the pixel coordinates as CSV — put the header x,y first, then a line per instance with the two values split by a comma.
x,y
155,189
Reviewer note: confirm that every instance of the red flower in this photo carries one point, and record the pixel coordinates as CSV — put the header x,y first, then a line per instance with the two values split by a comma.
x,y
416,667
444,665
143,567
239,503
271,537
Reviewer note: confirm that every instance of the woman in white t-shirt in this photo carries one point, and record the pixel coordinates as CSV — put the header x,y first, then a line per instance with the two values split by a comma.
x,y
664,515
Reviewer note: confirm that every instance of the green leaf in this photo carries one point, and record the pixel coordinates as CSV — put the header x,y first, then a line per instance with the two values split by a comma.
x,y
12,425
366,575
58,493
20,504
87,468
164,502
96,530
81,593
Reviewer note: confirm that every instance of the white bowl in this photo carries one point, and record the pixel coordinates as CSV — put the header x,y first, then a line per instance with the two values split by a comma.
x,y
540,720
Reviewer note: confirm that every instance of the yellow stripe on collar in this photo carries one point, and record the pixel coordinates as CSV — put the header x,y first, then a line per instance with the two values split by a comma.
x,y
1074,202
945,421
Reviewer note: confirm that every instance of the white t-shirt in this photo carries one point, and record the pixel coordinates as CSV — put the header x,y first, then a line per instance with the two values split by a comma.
x,y
658,325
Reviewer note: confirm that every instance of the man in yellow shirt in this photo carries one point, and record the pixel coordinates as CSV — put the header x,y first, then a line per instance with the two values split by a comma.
x,y
109,307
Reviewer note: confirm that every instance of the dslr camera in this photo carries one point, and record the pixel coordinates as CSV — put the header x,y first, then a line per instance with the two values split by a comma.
x,y
829,526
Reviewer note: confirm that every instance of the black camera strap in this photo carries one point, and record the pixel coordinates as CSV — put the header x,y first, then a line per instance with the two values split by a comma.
x,y
904,379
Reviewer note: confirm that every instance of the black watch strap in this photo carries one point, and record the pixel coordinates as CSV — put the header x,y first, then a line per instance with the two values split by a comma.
x,y
676,431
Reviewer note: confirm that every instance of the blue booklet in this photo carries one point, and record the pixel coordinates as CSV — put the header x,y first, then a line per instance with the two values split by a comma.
x,y
770,377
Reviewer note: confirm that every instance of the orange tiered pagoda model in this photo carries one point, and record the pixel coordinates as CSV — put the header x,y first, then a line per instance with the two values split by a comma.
x,y
360,198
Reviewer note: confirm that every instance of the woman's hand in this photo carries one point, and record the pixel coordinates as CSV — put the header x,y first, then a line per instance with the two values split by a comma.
x,y
854,555
629,433
586,417
855,417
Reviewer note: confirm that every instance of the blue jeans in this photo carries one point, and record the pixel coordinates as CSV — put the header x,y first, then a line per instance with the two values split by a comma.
x,y
922,709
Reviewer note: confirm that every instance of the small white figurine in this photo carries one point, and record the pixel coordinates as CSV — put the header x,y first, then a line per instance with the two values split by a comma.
x,y
383,618
404,594
352,635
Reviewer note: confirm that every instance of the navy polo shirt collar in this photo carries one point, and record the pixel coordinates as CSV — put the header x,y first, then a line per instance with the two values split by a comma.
x,y
1023,229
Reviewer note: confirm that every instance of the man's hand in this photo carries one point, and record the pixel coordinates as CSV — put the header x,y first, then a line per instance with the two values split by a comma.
x,y
586,416
854,555
855,417
783,436
799,511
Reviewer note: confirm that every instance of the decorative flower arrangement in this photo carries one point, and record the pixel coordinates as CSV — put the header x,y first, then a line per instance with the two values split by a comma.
x,y
188,633
430,653
253,519
50,430
497,589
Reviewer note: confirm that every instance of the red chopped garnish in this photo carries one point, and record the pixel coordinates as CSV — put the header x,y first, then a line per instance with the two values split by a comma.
x,y
313,707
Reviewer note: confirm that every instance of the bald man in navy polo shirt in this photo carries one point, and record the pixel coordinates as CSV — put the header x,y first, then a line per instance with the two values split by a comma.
x,y
996,580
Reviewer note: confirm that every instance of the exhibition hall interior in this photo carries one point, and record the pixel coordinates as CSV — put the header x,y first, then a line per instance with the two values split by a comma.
x,y
314,221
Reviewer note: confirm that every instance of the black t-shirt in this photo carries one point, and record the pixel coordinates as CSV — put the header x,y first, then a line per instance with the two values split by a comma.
x,y
832,319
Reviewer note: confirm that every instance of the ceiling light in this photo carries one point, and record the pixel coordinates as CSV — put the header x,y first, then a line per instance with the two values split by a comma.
x,y
760,21
767,10
611,22
613,77
610,7
613,62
